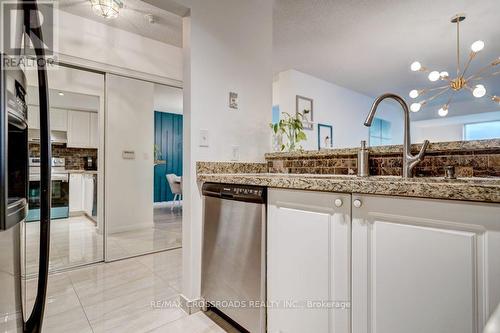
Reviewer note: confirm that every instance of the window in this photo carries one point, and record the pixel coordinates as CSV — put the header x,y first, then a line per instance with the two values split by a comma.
x,y
479,131
276,114
380,132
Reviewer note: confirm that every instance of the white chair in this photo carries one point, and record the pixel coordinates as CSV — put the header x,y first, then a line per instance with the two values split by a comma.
x,y
175,183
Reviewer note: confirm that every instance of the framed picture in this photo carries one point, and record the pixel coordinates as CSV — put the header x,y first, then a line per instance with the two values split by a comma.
x,y
325,136
304,105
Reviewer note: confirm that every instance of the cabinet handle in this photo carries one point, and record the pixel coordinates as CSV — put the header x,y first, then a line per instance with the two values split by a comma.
x,y
338,202
357,203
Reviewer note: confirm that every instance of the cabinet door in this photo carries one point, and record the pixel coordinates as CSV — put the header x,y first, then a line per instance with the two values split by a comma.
x,y
88,194
75,192
78,129
308,262
58,120
94,130
423,265
33,117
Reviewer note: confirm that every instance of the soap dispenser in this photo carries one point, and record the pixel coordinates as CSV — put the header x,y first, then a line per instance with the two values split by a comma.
x,y
363,163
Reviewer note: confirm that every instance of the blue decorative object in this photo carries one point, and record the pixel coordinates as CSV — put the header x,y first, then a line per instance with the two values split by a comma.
x,y
168,139
325,136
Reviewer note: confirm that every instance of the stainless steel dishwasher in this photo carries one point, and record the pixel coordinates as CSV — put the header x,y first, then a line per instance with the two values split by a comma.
x,y
234,253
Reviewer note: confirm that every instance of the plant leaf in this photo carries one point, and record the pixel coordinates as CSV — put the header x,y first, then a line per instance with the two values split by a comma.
x,y
301,136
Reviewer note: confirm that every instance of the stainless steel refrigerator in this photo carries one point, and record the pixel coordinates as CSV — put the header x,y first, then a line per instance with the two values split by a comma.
x,y
24,22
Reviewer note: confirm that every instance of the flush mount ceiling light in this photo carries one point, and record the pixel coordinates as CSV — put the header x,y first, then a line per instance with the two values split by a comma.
x,y
461,81
106,8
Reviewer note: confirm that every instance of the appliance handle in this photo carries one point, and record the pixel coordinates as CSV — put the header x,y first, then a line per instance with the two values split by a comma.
x,y
34,31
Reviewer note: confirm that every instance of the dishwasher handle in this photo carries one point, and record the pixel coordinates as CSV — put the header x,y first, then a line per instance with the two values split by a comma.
x,y
226,195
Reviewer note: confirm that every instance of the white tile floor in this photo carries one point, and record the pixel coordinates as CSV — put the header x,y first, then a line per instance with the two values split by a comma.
x,y
166,233
75,241
118,296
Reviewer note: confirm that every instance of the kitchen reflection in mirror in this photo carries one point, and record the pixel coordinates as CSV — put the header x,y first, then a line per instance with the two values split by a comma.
x,y
76,117
441,57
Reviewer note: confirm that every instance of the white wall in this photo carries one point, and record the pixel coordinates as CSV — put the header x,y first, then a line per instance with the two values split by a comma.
x,y
129,126
167,99
89,40
227,47
438,133
342,108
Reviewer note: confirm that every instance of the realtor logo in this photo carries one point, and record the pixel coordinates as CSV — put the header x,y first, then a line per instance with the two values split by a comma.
x,y
19,43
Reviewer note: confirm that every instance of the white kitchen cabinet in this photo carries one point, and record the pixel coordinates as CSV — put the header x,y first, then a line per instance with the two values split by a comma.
x,y
88,193
308,260
83,129
58,120
94,130
78,129
75,192
423,265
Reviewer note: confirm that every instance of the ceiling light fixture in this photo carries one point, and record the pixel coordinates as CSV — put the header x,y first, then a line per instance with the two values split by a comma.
x,y
460,81
106,8
443,111
60,93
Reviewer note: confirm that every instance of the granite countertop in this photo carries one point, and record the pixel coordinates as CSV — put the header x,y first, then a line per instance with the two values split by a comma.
x,y
470,189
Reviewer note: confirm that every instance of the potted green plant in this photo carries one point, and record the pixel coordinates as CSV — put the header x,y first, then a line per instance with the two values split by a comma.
x,y
291,129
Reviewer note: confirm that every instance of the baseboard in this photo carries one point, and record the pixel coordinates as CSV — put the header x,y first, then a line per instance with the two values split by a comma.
x,y
163,204
91,218
189,306
76,213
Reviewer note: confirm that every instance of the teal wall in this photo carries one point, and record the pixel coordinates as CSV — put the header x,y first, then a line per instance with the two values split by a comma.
x,y
168,137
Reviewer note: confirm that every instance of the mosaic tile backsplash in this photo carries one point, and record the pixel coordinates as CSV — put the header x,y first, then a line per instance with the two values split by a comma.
x,y
74,156
471,159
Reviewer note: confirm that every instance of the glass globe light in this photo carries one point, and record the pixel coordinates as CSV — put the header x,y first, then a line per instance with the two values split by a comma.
x,y
433,76
415,107
444,74
106,8
414,93
415,66
477,46
443,111
479,91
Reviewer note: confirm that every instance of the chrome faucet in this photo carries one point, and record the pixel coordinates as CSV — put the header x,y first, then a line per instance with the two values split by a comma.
x,y
409,161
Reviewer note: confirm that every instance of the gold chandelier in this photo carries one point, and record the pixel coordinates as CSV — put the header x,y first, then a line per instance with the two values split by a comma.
x,y
461,81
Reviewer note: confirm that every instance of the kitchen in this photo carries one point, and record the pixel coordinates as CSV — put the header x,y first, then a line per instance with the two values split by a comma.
x,y
305,186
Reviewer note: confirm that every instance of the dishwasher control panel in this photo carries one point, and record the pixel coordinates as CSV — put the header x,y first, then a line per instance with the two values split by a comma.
x,y
242,191
248,193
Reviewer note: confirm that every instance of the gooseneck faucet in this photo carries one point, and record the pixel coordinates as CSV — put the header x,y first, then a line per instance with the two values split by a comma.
x,y
409,160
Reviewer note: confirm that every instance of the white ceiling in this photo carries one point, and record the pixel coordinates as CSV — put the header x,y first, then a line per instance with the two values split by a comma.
x,y
69,100
167,27
368,46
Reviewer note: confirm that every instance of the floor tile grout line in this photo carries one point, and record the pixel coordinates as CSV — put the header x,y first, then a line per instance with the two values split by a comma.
x,y
160,276
153,274
169,323
81,305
